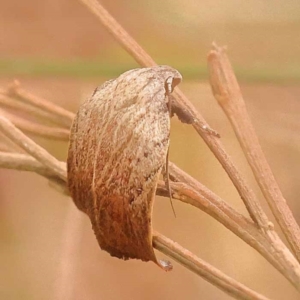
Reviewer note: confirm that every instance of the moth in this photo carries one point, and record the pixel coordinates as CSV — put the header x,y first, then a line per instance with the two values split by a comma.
x,y
118,146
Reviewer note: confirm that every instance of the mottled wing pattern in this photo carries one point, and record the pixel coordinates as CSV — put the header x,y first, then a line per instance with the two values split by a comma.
x,y
118,145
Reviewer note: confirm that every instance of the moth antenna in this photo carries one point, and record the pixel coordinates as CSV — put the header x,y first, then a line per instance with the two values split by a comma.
x,y
167,177
167,181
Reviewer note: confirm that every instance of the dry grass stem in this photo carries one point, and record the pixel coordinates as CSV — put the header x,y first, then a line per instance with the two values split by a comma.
x,y
34,128
12,104
7,145
31,147
228,94
40,105
267,243
126,41
24,162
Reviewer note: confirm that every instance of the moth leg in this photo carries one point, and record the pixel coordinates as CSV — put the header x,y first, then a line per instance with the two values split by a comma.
x,y
168,87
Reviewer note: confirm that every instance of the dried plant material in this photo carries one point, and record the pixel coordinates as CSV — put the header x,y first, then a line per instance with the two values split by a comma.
x,y
29,146
118,147
37,129
59,114
228,94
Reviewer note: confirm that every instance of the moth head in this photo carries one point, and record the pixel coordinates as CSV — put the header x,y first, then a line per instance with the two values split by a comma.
x,y
170,84
170,76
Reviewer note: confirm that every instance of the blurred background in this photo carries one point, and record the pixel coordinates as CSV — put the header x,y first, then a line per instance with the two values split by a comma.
x,y
59,51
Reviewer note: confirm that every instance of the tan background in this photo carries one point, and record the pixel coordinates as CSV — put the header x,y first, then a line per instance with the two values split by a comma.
x,y
38,226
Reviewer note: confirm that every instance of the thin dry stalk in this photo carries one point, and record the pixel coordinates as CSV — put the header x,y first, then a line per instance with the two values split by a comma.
x,y
38,129
60,115
54,133
8,145
228,94
17,105
266,243
24,162
31,147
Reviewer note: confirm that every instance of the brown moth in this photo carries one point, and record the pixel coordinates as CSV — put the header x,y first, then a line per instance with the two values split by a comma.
x,y
118,147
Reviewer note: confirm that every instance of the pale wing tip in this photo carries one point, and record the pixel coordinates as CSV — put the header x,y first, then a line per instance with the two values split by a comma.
x,y
165,265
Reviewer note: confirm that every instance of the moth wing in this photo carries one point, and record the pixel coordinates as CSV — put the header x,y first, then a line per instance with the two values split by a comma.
x,y
118,146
